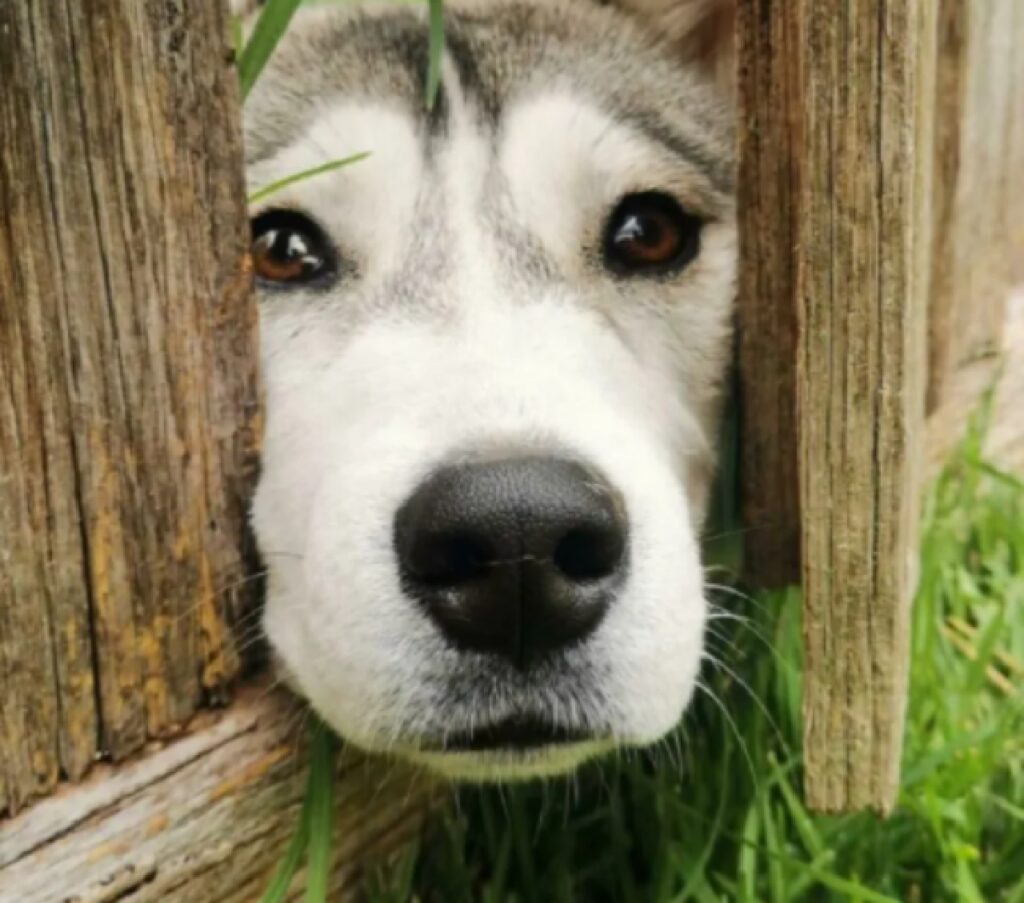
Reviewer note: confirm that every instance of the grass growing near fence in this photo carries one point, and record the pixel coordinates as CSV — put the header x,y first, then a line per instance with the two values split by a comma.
x,y
715,814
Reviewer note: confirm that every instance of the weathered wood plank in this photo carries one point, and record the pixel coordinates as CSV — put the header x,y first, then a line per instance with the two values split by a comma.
x,y
837,151
204,817
864,92
128,360
49,718
979,157
1015,162
768,101
1003,373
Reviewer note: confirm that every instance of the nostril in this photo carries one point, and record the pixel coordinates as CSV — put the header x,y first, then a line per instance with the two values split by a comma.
x,y
447,559
587,554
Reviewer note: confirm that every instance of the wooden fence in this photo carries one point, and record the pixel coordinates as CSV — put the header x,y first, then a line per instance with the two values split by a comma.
x,y
881,214
882,224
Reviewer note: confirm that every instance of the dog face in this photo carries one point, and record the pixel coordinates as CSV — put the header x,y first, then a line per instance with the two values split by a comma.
x,y
493,352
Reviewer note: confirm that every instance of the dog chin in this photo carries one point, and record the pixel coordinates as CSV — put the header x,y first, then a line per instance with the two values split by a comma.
x,y
504,765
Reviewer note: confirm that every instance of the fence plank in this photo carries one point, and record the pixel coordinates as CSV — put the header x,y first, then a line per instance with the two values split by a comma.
x,y
850,133
834,114
767,95
979,158
863,205
127,359
205,817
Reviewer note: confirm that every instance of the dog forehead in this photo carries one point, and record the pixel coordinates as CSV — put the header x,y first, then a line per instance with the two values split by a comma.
x,y
495,52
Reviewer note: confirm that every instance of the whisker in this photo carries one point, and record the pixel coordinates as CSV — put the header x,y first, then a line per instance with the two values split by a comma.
x,y
718,663
745,530
734,727
751,627
294,555
192,610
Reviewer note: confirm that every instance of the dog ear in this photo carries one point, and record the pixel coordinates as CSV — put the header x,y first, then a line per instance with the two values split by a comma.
x,y
703,31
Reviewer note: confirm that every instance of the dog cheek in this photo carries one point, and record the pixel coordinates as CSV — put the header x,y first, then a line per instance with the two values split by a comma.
x,y
375,644
654,638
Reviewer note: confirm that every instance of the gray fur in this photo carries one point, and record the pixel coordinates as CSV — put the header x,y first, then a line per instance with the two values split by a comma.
x,y
499,50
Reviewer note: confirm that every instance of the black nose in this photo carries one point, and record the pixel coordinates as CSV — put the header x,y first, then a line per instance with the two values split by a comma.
x,y
518,557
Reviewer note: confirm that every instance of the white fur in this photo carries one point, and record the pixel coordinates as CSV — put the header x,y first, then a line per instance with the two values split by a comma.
x,y
368,391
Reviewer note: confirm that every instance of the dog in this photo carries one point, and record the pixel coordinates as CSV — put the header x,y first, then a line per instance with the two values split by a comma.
x,y
493,352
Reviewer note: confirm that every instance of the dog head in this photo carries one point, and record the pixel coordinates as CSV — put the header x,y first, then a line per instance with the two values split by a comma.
x,y
493,353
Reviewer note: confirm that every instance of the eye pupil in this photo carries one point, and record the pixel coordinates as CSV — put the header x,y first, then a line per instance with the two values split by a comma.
x,y
649,233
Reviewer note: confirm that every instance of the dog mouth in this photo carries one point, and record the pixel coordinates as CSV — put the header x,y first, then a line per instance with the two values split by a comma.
x,y
515,734
512,749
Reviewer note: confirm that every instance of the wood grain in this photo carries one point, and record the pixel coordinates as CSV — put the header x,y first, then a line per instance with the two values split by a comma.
x,y
128,418
881,177
769,141
861,288
205,817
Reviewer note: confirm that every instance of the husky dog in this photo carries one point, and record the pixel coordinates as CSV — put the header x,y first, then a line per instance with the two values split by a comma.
x,y
493,353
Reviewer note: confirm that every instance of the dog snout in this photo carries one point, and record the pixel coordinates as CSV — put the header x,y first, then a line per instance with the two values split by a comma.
x,y
517,557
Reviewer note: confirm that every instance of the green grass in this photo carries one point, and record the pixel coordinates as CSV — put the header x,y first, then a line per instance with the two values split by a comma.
x,y
270,26
715,813
266,191
315,830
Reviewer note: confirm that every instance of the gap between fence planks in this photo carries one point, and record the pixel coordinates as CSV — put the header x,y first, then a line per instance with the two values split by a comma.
x,y
767,126
128,419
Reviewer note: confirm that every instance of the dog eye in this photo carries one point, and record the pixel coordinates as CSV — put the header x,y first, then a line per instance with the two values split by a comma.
x,y
649,233
289,248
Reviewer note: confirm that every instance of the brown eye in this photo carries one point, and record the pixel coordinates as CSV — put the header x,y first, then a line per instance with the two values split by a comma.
x,y
289,248
649,233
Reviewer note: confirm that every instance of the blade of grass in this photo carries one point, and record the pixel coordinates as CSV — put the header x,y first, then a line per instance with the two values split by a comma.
x,y
1015,812
698,867
747,866
237,36
496,888
282,879
798,887
267,32
517,826
776,874
321,814
810,838
436,48
971,633
1000,476
842,885
260,193
993,675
